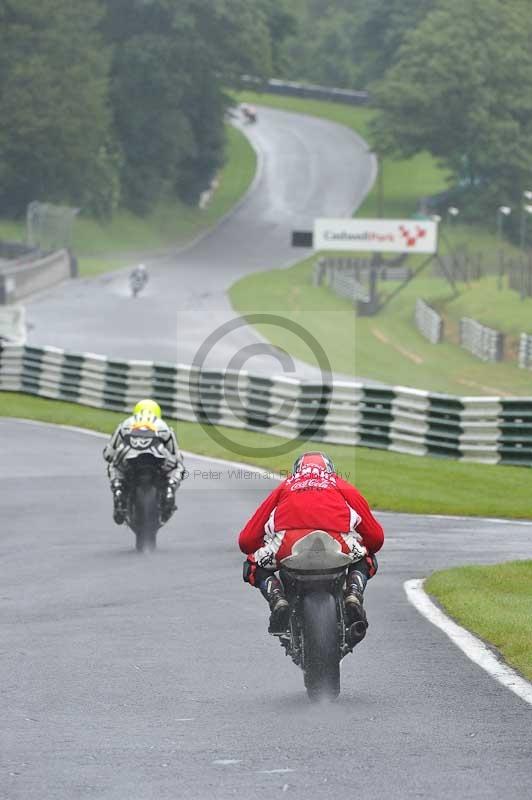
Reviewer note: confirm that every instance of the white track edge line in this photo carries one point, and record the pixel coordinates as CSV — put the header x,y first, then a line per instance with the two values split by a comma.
x,y
472,647
261,471
99,435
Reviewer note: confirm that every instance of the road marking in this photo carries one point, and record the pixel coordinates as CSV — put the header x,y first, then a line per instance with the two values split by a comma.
x,y
404,352
274,771
262,471
473,648
225,762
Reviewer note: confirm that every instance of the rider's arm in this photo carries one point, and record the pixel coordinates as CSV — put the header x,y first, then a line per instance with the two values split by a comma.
x,y
174,448
109,450
176,457
252,534
370,530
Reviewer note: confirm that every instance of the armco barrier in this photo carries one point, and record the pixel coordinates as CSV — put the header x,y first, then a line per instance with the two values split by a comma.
x,y
483,342
313,91
485,429
22,279
429,323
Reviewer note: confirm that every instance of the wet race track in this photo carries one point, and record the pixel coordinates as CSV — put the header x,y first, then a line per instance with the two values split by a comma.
x,y
139,677
307,168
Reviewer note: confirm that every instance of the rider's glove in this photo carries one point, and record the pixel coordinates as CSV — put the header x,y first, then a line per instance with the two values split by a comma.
x,y
253,573
356,548
249,572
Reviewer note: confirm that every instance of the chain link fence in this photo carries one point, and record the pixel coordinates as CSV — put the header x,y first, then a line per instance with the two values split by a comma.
x,y
49,227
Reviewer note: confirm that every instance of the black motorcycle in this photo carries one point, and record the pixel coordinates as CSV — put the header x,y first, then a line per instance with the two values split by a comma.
x,y
145,485
319,634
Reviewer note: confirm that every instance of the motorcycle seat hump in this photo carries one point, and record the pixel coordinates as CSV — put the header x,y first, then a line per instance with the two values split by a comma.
x,y
313,549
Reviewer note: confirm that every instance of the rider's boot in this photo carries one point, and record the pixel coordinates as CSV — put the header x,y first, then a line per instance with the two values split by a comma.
x,y
272,590
168,501
354,604
119,501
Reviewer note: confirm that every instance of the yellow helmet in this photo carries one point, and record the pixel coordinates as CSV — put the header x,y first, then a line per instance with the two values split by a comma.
x,y
147,410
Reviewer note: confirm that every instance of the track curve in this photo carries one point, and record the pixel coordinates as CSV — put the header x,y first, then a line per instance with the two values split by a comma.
x,y
127,676
308,167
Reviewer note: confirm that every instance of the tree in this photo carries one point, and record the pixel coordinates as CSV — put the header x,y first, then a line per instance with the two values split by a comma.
x,y
465,94
55,134
349,43
173,60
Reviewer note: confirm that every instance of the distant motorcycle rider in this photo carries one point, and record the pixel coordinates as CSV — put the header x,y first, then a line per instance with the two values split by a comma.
x,y
146,413
138,278
313,497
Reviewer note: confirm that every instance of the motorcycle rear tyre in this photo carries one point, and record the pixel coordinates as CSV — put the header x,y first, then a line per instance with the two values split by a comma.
x,y
321,646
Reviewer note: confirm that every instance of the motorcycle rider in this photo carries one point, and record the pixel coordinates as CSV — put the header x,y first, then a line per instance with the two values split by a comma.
x,y
313,497
138,278
146,414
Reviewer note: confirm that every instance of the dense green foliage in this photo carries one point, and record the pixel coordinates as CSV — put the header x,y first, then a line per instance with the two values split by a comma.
x,y
462,89
122,101
349,42
449,77
55,123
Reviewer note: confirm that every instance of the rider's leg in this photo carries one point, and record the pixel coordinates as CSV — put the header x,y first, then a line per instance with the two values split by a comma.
x,y
118,488
272,590
357,577
168,499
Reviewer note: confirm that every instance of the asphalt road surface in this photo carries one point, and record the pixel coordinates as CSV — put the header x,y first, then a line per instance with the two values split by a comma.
x,y
139,677
308,168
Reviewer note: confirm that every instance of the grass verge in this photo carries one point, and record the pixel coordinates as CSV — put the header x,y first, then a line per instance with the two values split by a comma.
x,y
493,602
390,481
387,347
102,246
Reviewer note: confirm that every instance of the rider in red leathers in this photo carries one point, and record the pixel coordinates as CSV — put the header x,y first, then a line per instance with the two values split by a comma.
x,y
312,497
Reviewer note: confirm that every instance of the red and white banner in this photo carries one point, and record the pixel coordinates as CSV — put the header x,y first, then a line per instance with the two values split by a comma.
x,y
376,235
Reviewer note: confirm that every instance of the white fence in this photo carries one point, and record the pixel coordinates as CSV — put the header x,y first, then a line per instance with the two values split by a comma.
x,y
428,322
483,342
525,351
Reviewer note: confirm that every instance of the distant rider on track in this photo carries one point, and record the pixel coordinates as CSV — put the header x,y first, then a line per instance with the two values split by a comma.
x,y
313,497
146,413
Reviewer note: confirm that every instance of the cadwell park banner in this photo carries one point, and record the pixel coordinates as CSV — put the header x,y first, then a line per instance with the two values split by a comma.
x,y
376,235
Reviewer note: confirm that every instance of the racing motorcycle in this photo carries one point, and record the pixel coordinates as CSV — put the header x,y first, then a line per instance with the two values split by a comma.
x,y
319,634
144,455
138,278
250,113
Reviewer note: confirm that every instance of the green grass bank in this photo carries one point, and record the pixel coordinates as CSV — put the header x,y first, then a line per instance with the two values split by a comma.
x,y
390,481
386,347
493,602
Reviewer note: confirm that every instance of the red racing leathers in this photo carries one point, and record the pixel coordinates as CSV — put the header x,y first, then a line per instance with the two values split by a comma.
x,y
310,499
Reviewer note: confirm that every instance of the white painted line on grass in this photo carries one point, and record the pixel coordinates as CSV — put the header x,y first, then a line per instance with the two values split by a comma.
x,y
473,648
